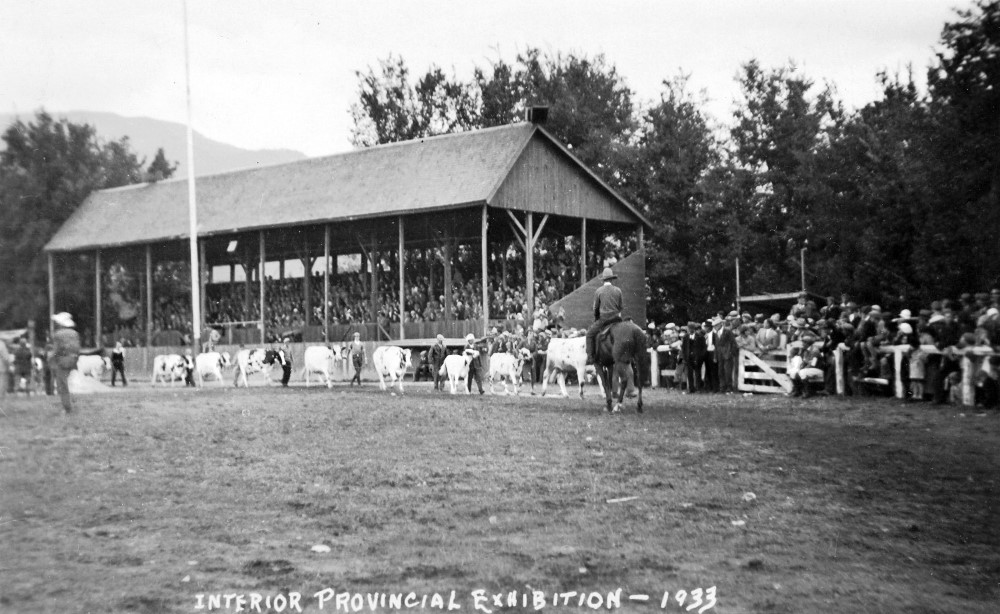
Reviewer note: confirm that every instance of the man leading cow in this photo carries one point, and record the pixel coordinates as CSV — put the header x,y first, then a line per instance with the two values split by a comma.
x,y
608,300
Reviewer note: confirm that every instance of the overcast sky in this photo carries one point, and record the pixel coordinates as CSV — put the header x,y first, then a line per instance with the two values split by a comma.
x,y
281,74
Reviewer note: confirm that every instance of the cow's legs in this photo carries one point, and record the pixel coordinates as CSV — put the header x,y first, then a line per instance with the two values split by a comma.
x,y
562,384
581,376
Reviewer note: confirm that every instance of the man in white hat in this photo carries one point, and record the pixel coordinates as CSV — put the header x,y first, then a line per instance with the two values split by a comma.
x,y
608,301
65,353
436,357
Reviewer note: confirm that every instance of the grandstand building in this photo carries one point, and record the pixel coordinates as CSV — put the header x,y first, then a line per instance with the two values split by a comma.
x,y
449,211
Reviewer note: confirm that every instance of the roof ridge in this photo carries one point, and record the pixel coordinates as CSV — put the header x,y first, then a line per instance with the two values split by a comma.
x,y
382,146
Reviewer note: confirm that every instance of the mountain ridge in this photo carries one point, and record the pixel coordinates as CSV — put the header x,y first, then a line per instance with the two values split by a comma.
x,y
147,134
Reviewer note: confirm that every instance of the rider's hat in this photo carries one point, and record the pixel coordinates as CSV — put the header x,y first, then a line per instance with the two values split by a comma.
x,y
608,274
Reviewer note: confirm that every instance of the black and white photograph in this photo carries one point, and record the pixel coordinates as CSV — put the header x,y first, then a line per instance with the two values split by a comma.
x,y
648,306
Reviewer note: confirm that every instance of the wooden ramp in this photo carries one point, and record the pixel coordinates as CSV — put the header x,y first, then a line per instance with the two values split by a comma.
x,y
579,304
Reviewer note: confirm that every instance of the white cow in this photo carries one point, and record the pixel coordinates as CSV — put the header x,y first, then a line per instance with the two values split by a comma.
x,y
211,364
249,362
317,360
93,366
169,367
456,367
507,367
564,355
392,362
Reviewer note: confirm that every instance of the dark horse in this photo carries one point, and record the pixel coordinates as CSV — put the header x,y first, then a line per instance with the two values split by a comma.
x,y
619,356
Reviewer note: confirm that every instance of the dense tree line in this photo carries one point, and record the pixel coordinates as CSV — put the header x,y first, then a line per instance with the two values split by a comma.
x,y
47,169
895,202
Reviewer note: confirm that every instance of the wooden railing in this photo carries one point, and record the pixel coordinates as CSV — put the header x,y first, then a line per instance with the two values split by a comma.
x,y
768,373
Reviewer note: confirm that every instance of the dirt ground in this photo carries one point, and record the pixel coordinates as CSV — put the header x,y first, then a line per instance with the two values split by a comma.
x,y
153,500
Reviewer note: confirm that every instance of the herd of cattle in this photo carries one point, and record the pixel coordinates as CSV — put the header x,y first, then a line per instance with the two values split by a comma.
x,y
391,363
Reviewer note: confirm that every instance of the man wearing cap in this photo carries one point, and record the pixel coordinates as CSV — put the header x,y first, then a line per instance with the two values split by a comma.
x,y
285,359
357,352
65,353
436,357
608,302
476,365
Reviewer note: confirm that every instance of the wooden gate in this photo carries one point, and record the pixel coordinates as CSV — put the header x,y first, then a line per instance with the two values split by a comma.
x,y
766,373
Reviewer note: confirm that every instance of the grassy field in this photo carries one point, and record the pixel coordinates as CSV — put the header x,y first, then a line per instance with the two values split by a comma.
x,y
146,499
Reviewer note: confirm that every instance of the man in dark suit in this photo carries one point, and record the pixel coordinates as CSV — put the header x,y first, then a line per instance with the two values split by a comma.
x,y
726,355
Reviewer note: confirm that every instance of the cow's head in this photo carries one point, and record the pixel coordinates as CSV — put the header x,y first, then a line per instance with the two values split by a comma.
x,y
470,355
226,359
406,358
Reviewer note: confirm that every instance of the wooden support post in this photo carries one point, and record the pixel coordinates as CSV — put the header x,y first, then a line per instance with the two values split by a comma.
x,y
326,282
202,281
97,299
373,286
149,295
485,275
431,265
402,288
838,362
968,381
639,238
52,296
529,269
897,364
446,252
654,368
583,251
260,279
307,265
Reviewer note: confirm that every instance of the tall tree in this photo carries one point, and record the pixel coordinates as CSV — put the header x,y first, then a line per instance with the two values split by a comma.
x,y
670,179
160,168
47,169
780,129
965,102
590,106
391,108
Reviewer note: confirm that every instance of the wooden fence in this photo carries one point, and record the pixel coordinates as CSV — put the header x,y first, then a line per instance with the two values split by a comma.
x,y
769,373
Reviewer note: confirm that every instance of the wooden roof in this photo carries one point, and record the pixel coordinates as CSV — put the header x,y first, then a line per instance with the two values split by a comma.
x,y
418,176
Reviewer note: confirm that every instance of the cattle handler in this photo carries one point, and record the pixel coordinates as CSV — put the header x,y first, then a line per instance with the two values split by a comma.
x,y
65,352
285,357
476,365
608,301
436,357
358,358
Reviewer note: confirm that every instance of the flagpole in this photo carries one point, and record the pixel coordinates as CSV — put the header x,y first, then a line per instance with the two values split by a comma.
x,y
192,204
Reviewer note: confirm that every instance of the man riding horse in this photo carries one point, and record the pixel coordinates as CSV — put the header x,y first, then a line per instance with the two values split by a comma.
x,y
619,359
608,301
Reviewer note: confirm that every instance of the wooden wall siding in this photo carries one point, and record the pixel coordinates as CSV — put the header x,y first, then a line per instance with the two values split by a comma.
x,y
545,181
579,304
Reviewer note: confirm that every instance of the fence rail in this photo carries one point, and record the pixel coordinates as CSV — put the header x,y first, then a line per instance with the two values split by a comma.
x,y
769,374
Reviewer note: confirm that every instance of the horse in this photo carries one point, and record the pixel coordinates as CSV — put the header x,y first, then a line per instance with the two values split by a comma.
x,y
619,354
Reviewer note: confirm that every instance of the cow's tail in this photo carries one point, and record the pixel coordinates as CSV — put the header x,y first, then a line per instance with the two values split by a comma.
x,y
443,371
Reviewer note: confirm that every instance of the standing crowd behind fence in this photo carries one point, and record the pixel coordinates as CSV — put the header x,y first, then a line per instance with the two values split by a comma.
x,y
810,341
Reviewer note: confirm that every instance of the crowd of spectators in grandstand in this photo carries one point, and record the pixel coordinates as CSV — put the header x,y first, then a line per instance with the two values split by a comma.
x,y
236,304
700,353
